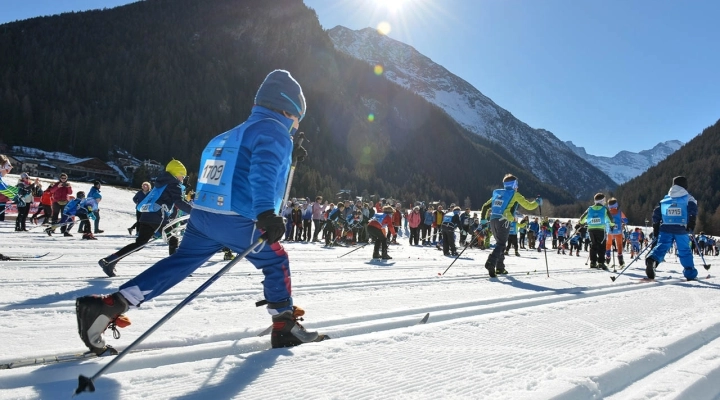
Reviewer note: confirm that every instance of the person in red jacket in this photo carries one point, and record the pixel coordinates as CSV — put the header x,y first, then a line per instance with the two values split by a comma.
x,y
44,207
375,230
396,222
60,191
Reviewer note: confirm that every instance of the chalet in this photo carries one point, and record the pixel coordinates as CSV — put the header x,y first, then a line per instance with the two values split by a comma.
x,y
35,167
153,166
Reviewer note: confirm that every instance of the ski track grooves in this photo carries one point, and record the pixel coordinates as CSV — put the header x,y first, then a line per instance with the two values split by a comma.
x,y
620,378
228,295
240,343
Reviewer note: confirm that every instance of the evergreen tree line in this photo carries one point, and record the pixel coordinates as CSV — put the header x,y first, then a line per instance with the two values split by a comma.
x,y
699,161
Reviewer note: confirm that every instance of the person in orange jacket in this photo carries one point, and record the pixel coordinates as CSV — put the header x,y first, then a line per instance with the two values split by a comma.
x,y
375,230
45,207
615,232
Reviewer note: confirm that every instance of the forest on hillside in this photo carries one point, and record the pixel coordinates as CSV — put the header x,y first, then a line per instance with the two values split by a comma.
x,y
159,78
699,161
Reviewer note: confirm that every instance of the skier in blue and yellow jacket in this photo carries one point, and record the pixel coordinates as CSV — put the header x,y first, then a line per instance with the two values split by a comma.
x,y
502,206
241,184
597,218
673,221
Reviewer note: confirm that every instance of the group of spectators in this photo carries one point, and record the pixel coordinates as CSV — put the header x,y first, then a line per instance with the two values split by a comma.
x,y
345,222
342,223
50,202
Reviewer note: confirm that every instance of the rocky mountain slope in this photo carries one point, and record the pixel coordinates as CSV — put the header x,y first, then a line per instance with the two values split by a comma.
x,y
538,150
626,165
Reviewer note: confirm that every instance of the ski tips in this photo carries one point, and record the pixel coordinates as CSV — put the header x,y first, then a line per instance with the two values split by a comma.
x,y
424,319
85,384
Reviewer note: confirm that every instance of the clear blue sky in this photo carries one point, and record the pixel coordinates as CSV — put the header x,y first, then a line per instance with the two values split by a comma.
x,y
609,75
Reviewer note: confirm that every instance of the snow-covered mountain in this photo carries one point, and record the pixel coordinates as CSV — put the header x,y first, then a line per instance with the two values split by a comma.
x,y
626,165
536,149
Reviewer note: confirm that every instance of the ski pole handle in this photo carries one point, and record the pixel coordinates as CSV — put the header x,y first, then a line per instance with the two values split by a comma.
x,y
300,138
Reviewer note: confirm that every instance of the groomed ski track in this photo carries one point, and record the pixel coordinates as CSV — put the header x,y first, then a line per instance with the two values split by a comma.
x,y
574,335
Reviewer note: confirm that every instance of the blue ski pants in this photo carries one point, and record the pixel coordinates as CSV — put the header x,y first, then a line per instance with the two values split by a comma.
x,y
206,234
665,241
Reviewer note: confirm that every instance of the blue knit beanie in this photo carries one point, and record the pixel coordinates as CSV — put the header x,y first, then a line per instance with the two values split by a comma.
x,y
281,92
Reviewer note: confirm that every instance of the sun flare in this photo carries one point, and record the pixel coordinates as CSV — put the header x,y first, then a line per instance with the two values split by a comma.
x,y
392,5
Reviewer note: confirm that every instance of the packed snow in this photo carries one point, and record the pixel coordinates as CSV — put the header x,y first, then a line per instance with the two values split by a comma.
x,y
573,335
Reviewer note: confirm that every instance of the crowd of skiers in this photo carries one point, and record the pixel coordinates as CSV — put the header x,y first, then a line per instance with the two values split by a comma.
x,y
604,226
350,223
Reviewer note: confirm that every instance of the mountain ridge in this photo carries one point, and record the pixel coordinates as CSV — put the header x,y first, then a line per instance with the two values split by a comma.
x,y
626,165
550,159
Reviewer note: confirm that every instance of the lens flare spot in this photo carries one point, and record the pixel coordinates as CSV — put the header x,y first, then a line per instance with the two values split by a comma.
x,y
366,151
384,28
378,70
371,117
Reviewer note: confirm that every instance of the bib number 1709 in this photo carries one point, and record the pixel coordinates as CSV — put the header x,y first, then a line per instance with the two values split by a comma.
x,y
212,172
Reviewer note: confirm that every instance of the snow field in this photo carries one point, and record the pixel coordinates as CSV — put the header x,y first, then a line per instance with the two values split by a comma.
x,y
574,335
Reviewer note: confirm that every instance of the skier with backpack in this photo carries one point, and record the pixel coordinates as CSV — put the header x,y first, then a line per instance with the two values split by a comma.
x,y
155,210
242,180
451,220
673,219
502,206
375,230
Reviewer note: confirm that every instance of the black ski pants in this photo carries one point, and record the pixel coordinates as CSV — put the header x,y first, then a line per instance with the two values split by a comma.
x,y
448,238
414,236
597,245
500,230
145,232
381,242
512,242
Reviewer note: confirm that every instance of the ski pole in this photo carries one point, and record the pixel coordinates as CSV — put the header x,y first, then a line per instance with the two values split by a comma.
x,y
456,258
142,246
547,268
58,225
300,138
86,384
705,265
354,250
649,246
613,254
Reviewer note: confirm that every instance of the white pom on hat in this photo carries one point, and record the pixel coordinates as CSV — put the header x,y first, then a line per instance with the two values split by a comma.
x,y
280,91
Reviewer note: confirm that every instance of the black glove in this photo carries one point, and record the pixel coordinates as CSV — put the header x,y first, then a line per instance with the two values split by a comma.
x,y
273,226
691,224
656,229
299,153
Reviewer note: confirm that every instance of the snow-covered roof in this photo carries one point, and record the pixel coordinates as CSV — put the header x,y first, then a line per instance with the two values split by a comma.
x,y
53,155
81,160
119,171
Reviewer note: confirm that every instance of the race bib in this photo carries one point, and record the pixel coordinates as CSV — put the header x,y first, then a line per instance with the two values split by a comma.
x,y
674,212
212,172
595,221
498,203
